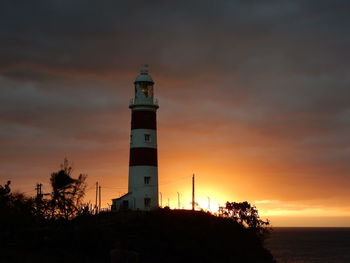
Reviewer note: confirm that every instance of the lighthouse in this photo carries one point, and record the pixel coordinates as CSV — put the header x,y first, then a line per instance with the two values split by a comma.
x,y
143,158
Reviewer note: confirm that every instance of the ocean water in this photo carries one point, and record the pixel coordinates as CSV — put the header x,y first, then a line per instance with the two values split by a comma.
x,y
310,245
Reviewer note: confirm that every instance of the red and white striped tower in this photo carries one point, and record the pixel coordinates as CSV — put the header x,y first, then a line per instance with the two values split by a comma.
x,y
143,162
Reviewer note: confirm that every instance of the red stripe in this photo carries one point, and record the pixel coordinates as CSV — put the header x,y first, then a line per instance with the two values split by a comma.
x,y
143,156
143,119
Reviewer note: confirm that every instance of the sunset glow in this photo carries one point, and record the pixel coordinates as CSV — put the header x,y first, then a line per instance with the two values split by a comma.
x,y
254,100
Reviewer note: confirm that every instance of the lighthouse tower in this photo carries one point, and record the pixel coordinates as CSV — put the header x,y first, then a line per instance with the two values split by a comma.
x,y
143,163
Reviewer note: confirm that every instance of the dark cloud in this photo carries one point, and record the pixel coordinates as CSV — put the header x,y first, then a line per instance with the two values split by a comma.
x,y
99,39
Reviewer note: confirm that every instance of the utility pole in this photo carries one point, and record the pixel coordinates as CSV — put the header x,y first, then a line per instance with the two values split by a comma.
x,y
38,191
178,200
99,202
161,199
193,199
168,202
208,203
96,198
38,198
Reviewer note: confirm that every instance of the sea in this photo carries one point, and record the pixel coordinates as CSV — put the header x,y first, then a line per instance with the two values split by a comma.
x,y
310,245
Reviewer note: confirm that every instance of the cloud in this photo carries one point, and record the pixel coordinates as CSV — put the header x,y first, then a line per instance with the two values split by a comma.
x,y
262,85
78,38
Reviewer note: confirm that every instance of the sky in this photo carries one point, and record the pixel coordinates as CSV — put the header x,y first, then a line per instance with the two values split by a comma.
x,y
254,99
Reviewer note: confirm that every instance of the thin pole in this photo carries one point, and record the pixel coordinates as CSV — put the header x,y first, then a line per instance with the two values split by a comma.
x,y
208,203
99,202
38,190
161,199
193,200
39,194
178,200
168,202
96,197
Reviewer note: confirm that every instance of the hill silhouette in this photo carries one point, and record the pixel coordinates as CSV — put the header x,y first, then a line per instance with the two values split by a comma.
x,y
163,235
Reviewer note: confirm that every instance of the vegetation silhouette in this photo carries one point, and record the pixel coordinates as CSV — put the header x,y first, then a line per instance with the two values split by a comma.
x,y
67,193
16,210
246,215
57,227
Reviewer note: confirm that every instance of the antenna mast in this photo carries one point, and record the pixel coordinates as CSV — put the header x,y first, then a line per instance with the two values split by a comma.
x,y
193,200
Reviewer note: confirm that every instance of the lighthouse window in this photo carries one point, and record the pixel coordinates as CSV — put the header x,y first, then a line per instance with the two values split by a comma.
x,y
147,179
147,89
150,90
147,137
147,202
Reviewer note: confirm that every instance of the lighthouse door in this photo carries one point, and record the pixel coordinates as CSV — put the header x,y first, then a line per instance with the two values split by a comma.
x,y
125,205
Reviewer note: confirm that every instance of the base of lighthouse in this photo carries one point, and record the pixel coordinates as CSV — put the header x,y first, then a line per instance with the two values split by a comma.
x,y
143,190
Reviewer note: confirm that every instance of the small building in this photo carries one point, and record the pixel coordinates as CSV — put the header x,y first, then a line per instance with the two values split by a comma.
x,y
143,161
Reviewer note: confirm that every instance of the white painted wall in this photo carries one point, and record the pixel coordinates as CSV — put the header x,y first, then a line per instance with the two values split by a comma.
x,y
139,190
137,138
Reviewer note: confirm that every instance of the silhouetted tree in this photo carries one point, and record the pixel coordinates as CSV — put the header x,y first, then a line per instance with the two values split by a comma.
x,y
15,209
67,192
246,215
5,196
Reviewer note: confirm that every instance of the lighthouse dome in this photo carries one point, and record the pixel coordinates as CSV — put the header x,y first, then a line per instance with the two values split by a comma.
x,y
144,77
